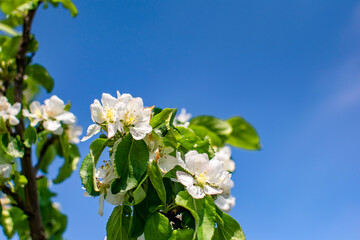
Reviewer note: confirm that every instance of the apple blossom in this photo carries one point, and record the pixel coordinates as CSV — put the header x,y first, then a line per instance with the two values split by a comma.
x,y
8,112
73,132
52,114
105,174
224,156
225,203
134,116
204,175
182,119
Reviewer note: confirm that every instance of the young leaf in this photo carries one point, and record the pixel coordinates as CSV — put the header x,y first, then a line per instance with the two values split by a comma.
x,y
30,136
163,121
215,125
131,158
203,211
12,146
157,227
227,227
203,132
96,149
115,227
156,179
87,174
190,141
66,4
39,74
243,134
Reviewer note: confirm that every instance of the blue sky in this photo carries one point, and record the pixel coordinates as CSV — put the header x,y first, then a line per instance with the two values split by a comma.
x,y
291,68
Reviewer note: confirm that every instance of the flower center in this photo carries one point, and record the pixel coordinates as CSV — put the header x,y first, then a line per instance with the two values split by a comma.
x,y
110,114
201,180
129,119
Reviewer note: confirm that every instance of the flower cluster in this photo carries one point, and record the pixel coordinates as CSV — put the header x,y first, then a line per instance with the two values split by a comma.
x,y
122,114
206,176
8,111
5,170
53,114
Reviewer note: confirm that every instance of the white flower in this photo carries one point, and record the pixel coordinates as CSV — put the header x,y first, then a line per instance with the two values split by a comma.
x,y
107,113
104,177
224,156
134,116
8,112
5,170
52,113
182,120
225,203
73,133
205,175
161,154
35,113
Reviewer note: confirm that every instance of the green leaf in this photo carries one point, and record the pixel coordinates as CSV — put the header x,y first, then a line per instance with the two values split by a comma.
x,y
20,180
10,47
87,175
227,227
190,141
115,227
156,179
7,29
157,227
215,125
204,132
30,136
3,128
139,193
12,146
182,234
131,158
47,154
137,224
66,4
70,162
163,122
243,134
203,211
39,74
96,149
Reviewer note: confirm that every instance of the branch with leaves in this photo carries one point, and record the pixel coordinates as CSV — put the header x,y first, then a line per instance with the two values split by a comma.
x,y
169,175
26,125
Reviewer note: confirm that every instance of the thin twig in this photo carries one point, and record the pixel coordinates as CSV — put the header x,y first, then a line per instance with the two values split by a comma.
x,y
19,202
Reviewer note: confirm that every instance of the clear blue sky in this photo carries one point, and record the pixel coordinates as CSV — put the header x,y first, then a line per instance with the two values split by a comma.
x,y
291,68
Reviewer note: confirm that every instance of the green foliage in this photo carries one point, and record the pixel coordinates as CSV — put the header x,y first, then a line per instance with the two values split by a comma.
x,y
118,224
40,75
203,211
157,227
87,174
227,227
66,4
30,136
131,158
243,135
155,176
12,146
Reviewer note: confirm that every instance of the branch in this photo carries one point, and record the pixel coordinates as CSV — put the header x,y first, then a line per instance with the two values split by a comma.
x,y
19,202
46,146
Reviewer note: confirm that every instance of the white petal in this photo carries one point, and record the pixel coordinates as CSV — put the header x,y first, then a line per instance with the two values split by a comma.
x,y
167,163
101,205
15,109
35,106
185,179
229,165
13,120
108,101
97,112
51,125
91,131
211,190
114,199
140,132
196,192
66,117
112,128
196,163
225,204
